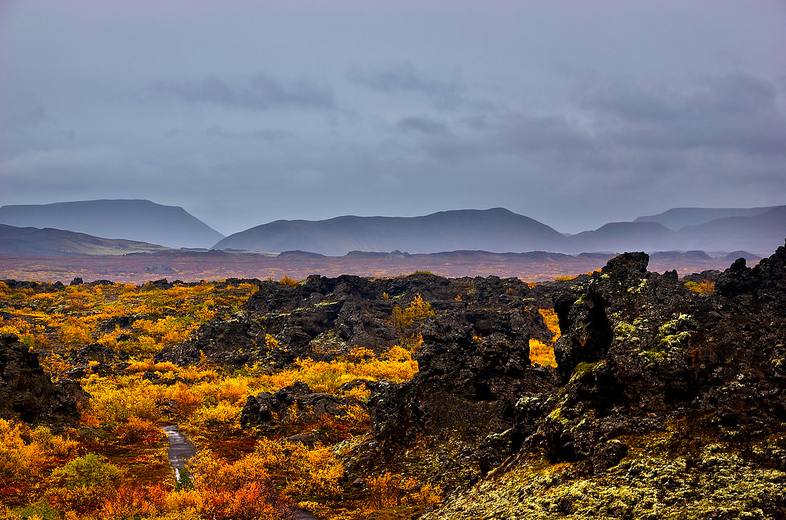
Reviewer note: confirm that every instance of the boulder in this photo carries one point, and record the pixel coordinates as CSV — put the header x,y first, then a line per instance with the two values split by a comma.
x,y
27,392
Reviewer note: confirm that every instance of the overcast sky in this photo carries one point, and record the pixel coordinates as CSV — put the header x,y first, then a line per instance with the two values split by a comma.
x,y
573,113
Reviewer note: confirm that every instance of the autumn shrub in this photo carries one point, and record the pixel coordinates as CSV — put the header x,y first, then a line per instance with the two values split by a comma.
x,y
551,320
222,489
184,398
540,352
286,280
55,446
701,287
389,490
115,403
83,484
20,458
407,319
26,452
223,415
306,471
134,502
74,331
138,431
395,365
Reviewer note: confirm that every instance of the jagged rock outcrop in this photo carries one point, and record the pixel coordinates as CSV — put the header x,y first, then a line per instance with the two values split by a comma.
x,y
458,411
638,349
27,392
293,402
669,403
324,317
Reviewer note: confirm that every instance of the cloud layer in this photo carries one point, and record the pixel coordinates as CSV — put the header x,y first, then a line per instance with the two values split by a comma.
x,y
570,113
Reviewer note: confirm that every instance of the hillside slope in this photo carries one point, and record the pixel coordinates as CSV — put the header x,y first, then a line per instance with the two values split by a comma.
x,y
139,220
28,241
496,230
678,218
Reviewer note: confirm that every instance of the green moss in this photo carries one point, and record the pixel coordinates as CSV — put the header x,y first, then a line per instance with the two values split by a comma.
x,y
673,340
556,415
672,325
583,368
638,288
651,483
653,356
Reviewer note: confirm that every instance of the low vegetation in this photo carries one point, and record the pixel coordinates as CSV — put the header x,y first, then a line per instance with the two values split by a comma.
x,y
113,463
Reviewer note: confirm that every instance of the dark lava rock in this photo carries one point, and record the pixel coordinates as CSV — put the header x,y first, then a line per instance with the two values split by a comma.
x,y
608,454
272,409
97,358
322,318
638,350
460,407
28,393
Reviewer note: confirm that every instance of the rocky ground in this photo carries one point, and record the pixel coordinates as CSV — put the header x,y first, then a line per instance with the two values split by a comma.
x,y
666,402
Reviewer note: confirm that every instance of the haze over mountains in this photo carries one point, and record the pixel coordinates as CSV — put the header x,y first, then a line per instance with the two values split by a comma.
x,y
29,241
138,220
499,230
678,218
138,225
495,229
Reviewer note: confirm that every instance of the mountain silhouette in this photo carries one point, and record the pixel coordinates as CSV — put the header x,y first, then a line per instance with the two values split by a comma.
x,y
139,220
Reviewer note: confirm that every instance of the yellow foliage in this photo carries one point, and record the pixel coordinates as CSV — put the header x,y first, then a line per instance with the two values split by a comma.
x,y
395,365
541,353
224,415
286,280
390,490
74,331
552,323
415,313
702,287
271,342
115,404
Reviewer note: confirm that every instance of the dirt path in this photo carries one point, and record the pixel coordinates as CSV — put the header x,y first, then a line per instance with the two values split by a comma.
x,y
180,450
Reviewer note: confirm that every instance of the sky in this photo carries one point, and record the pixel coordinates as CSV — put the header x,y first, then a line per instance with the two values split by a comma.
x,y
573,113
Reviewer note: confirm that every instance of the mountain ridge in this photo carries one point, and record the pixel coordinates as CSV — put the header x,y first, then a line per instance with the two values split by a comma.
x,y
138,220
500,230
31,241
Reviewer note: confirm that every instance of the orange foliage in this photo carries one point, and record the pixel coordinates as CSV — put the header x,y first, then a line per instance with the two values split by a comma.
x,y
390,490
541,353
702,287
286,280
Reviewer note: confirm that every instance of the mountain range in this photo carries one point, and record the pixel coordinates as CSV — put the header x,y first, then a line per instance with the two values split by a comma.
x,y
29,241
499,230
140,225
138,220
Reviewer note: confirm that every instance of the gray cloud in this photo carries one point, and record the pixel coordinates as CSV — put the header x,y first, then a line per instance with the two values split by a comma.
x,y
260,92
265,134
424,125
575,114
734,112
404,78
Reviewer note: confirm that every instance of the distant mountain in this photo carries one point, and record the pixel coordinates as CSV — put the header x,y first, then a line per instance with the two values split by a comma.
x,y
757,233
138,220
678,218
759,230
496,230
623,236
28,241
